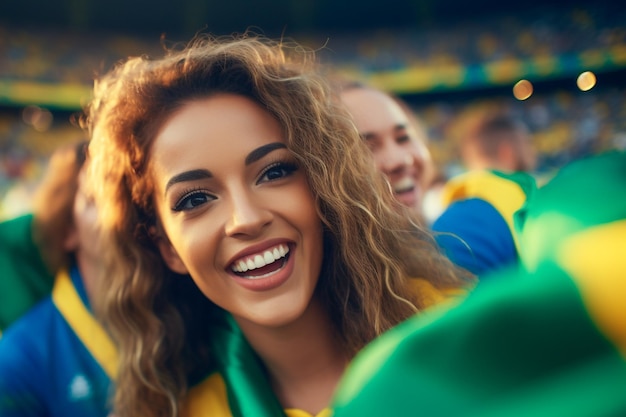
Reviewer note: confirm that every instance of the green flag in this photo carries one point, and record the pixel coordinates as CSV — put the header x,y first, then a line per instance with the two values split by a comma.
x,y
549,341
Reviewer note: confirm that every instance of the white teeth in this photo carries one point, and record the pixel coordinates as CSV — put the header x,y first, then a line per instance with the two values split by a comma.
x,y
260,260
251,264
404,184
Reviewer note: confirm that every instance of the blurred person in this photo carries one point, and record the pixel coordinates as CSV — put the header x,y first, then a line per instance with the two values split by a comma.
x,y
252,246
56,360
474,221
475,227
500,142
548,339
397,139
31,245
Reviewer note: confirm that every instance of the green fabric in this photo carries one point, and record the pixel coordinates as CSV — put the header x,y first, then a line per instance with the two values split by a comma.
x,y
587,192
24,278
514,348
249,392
526,345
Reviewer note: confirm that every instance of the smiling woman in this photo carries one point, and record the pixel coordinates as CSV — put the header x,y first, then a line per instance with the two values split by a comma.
x,y
396,138
248,200
248,259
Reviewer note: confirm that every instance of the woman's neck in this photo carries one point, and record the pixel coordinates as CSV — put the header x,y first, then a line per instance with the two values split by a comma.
x,y
89,274
304,359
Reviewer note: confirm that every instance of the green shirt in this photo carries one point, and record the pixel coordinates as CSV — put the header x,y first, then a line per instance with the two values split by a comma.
x,y
24,278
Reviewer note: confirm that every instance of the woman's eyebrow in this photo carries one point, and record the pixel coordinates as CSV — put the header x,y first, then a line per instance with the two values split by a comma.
x,y
196,174
261,151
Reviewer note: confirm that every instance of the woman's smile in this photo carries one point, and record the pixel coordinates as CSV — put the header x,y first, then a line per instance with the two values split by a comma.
x,y
266,270
261,264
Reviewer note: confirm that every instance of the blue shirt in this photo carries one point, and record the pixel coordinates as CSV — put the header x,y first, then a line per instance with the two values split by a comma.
x,y
45,367
476,230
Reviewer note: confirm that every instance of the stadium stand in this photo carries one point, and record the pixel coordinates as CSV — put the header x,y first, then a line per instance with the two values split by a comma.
x,y
46,76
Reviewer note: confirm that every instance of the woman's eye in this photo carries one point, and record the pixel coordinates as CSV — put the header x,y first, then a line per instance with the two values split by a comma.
x,y
192,200
403,139
278,171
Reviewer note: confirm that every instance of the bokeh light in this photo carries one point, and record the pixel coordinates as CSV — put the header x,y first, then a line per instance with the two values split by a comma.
x,y
523,89
586,81
40,119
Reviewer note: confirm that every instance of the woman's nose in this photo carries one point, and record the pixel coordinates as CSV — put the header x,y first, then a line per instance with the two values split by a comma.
x,y
248,215
395,158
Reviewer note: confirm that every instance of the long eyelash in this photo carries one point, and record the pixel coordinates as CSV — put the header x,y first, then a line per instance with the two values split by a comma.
x,y
186,193
288,165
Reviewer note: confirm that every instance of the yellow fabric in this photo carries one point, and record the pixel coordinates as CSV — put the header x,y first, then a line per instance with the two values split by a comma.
x,y
430,296
84,324
596,259
504,195
209,399
292,412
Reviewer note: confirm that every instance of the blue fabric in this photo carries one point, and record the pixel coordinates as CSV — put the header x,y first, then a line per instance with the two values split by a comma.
x,y
482,241
45,370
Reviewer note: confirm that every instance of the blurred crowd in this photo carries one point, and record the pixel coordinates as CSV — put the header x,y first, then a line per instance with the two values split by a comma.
x,y
562,33
564,124
559,32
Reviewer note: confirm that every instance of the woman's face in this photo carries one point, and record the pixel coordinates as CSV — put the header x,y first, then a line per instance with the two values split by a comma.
x,y
84,237
238,211
397,145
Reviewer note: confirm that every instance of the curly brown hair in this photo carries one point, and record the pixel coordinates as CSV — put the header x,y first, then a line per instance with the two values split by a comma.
x,y
371,245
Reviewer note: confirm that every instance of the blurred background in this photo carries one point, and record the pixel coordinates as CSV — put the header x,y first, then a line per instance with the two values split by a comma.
x,y
560,66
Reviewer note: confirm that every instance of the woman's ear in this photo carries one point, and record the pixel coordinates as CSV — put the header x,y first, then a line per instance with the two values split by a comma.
x,y
169,254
